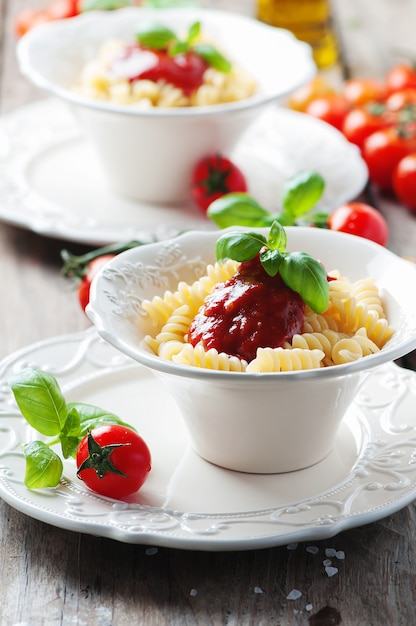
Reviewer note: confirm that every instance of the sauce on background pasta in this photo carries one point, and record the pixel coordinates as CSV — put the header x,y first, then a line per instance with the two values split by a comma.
x,y
129,73
353,326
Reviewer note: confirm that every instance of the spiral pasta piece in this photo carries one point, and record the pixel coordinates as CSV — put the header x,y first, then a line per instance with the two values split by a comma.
x,y
209,359
285,360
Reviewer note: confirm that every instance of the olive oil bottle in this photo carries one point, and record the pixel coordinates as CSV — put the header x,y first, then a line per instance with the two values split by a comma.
x,y
308,20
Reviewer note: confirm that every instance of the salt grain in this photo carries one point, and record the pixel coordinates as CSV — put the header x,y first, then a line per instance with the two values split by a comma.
x,y
330,552
295,594
258,590
312,549
151,551
309,607
331,571
292,546
327,562
193,592
340,554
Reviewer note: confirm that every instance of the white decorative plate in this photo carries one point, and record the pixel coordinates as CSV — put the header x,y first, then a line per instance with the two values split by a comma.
x,y
51,183
189,503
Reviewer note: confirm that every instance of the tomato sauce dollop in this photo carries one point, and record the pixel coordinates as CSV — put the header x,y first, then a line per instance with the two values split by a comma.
x,y
185,70
251,310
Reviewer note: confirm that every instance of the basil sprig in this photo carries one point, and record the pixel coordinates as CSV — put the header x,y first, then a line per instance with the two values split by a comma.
x,y
159,37
300,194
299,271
42,404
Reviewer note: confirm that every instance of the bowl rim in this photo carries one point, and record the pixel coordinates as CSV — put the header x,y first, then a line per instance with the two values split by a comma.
x,y
256,100
97,315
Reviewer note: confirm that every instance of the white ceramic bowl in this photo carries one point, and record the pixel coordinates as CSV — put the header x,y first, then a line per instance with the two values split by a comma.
x,y
149,155
263,423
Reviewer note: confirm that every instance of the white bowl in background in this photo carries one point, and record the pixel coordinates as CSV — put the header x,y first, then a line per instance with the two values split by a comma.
x,y
262,423
150,154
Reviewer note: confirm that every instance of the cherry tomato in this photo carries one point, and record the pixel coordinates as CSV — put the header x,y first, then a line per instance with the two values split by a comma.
x,y
331,108
361,122
363,220
85,285
401,76
404,181
213,177
318,86
28,19
62,9
399,100
358,91
113,460
383,150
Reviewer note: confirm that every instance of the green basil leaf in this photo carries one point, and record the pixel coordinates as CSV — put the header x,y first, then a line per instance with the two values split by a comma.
x,y
305,275
92,416
194,32
154,35
237,209
271,261
179,47
301,193
239,246
277,239
43,466
212,56
40,400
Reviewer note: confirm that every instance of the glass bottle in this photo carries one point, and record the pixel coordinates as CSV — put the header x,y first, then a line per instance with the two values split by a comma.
x,y
308,20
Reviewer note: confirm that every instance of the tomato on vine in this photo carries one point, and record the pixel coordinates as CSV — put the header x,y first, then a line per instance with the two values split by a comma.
x,y
404,181
93,268
113,460
383,150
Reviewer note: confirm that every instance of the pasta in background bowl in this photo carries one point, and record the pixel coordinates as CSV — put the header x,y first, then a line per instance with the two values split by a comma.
x,y
260,422
149,153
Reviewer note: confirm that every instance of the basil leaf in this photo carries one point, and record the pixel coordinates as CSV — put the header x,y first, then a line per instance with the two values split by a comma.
x,y
40,400
179,47
194,32
305,275
212,56
301,192
70,437
239,246
92,416
237,209
277,239
271,261
153,35
43,466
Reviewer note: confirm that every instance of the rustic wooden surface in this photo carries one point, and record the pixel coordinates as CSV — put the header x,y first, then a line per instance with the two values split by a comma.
x,y
51,576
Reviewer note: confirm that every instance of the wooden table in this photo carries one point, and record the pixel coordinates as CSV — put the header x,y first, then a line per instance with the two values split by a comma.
x,y
52,576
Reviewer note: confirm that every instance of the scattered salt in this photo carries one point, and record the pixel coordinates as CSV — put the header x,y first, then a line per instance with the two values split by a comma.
x,y
151,551
193,592
331,571
258,590
295,594
312,549
330,552
327,562
340,554
309,607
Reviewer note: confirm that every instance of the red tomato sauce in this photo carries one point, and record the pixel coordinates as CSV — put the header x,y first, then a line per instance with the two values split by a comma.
x,y
185,71
249,311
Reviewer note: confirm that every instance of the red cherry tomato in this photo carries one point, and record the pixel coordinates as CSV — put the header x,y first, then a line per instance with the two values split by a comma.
x,y
84,286
363,220
113,460
361,122
28,19
404,181
359,91
331,108
398,100
383,150
401,76
62,9
300,99
213,177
